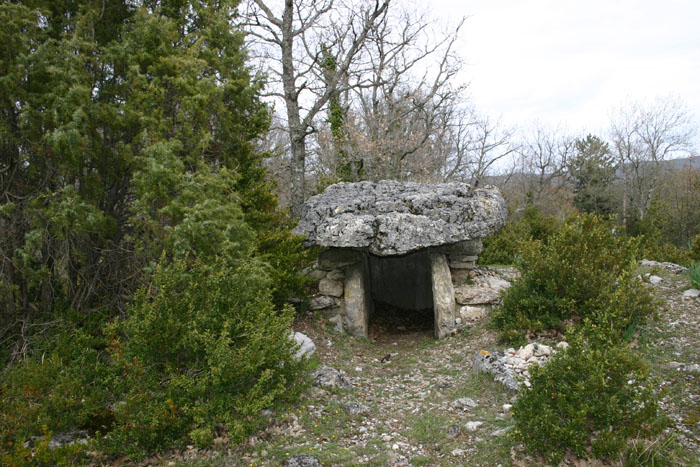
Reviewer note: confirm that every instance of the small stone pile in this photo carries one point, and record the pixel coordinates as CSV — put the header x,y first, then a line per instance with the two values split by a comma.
x,y
670,267
522,359
512,367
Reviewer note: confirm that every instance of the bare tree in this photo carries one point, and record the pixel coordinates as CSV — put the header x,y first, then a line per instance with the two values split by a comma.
x,y
292,41
643,137
476,144
405,92
540,166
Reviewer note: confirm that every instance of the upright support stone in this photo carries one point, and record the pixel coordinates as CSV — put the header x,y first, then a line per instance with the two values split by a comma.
x,y
443,295
358,300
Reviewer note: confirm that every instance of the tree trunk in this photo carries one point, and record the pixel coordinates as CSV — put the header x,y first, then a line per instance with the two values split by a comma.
x,y
297,133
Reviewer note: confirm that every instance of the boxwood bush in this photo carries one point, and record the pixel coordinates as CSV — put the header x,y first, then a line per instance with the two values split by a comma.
x,y
505,247
578,273
589,399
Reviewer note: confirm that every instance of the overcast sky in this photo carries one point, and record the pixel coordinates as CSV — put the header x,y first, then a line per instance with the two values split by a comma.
x,y
570,61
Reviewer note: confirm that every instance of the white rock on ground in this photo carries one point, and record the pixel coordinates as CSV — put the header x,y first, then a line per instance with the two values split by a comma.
x,y
473,426
691,293
512,367
464,403
306,345
329,377
655,280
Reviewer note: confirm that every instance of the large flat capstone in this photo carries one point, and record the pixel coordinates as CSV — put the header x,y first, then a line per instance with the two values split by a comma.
x,y
392,218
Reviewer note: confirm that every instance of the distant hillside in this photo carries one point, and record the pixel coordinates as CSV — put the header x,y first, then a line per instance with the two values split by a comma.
x,y
683,163
671,164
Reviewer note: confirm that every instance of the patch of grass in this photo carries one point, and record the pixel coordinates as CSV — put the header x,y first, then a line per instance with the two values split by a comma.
x,y
421,460
492,450
694,273
429,429
659,452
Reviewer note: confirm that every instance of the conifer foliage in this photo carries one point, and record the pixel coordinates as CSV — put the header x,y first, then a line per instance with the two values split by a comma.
x,y
127,164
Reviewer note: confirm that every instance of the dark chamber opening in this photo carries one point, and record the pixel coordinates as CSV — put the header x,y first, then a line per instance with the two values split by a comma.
x,y
402,295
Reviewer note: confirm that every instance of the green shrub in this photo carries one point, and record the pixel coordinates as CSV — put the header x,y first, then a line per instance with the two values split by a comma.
x,y
656,249
694,252
694,272
588,399
202,352
505,247
577,274
65,388
287,258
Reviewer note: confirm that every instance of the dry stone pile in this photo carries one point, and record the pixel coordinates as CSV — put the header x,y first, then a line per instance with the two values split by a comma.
x,y
512,367
670,267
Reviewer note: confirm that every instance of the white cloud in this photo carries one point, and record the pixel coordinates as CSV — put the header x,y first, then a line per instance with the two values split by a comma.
x,y
570,62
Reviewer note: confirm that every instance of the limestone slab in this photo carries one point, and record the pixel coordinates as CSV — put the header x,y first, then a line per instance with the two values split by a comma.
x,y
358,302
443,295
335,258
330,287
392,218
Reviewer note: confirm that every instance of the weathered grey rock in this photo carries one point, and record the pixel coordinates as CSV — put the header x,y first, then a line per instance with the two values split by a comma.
x,y
443,296
464,403
501,432
467,247
494,282
392,218
322,302
476,295
462,258
473,426
330,287
356,408
317,274
302,460
306,345
335,258
461,276
671,267
462,265
358,301
328,377
491,363
336,275
655,280
526,352
542,350
60,439
337,320
691,293
453,430
469,313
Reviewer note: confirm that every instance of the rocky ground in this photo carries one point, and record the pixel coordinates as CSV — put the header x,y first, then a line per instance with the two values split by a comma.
x,y
413,400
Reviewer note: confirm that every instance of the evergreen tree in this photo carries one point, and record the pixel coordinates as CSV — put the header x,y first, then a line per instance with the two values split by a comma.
x,y
592,171
131,188
124,124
